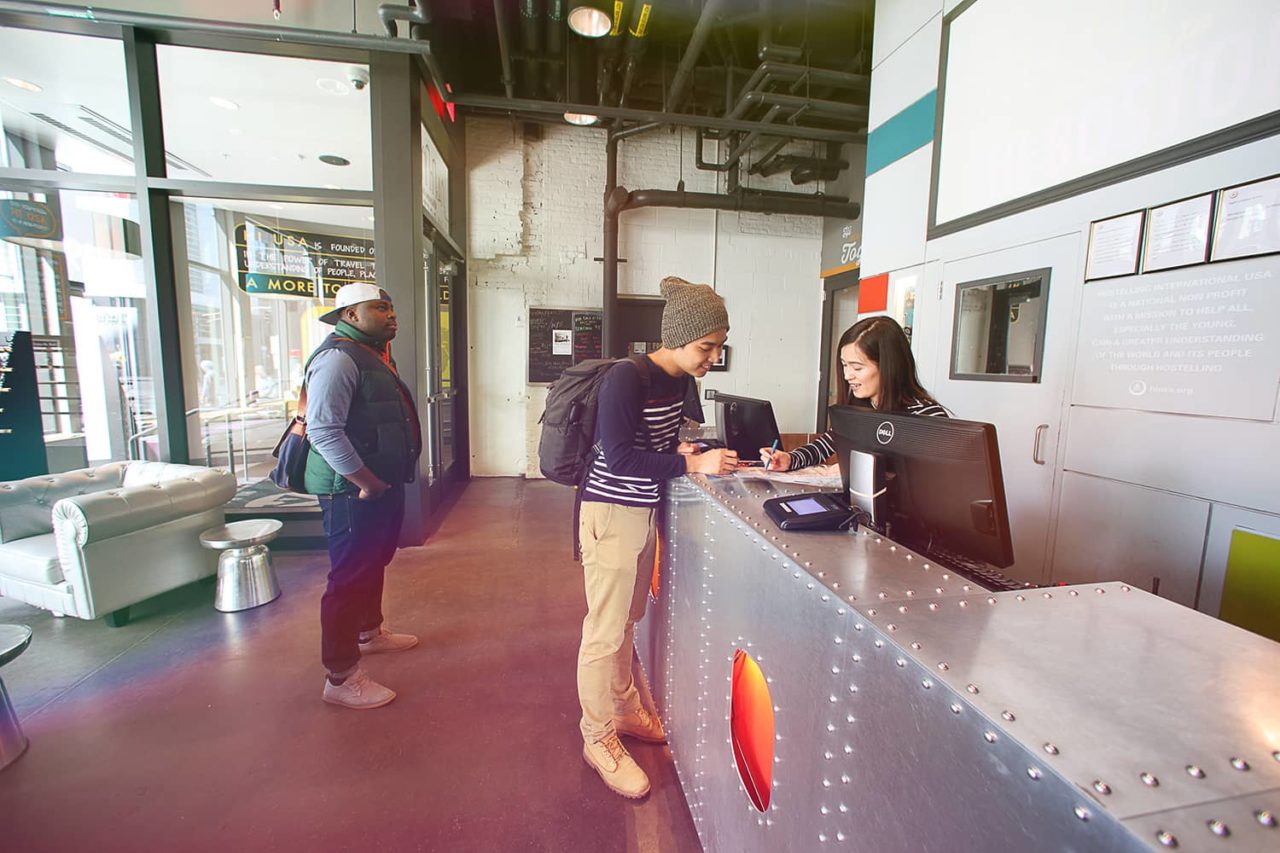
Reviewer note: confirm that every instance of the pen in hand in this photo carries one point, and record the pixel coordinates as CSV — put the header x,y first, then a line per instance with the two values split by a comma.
x,y
767,456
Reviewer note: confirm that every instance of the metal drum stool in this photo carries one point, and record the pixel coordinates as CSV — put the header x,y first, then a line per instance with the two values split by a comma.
x,y
14,640
245,576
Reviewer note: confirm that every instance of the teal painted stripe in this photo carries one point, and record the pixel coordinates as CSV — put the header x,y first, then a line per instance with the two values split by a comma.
x,y
899,136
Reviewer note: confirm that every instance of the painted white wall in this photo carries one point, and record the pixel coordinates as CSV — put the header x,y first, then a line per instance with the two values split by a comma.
x,y
1227,464
534,228
896,211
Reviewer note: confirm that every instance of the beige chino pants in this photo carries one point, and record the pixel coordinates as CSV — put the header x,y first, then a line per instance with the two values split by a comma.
x,y
618,545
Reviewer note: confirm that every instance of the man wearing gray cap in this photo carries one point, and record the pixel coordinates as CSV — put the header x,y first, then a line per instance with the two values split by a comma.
x,y
637,425
365,442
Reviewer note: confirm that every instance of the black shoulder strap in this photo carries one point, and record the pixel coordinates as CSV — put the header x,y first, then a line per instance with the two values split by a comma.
x,y
643,367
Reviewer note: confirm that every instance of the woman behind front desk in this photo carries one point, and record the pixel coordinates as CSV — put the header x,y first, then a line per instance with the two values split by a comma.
x,y
879,371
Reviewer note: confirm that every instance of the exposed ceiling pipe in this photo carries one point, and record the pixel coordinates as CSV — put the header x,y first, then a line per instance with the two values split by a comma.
x,y
555,46
637,41
767,48
842,109
706,21
504,52
744,201
505,105
389,14
531,35
608,47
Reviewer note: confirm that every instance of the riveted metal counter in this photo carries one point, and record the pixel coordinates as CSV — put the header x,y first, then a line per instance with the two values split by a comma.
x,y
914,710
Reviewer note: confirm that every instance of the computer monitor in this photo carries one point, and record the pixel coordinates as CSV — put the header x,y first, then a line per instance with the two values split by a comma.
x,y
934,484
745,424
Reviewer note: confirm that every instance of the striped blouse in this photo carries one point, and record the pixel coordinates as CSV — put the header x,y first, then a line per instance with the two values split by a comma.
x,y
822,447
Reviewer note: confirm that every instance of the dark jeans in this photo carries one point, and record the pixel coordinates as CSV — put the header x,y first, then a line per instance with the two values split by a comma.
x,y
362,538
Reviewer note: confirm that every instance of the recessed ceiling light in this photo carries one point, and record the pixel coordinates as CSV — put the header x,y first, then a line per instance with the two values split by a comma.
x,y
589,21
332,187
276,206
581,119
224,103
334,160
330,86
24,85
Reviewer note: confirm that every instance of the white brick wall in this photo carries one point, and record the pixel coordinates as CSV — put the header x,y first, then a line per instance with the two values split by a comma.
x,y
535,224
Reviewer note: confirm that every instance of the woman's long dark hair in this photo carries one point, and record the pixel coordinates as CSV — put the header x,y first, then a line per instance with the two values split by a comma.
x,y
884,342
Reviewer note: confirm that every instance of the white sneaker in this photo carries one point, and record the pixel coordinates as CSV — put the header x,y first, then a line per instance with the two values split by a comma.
x,y
359,691
641,724
385,641
616,767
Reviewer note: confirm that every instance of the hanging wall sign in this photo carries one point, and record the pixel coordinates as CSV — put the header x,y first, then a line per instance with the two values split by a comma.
x,y
28,220
286,262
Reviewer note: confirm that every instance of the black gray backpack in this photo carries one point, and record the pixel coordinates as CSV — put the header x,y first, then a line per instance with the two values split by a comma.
x,y
569,420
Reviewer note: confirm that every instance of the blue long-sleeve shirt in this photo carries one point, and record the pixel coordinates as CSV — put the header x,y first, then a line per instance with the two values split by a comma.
x,y
638,431
332,379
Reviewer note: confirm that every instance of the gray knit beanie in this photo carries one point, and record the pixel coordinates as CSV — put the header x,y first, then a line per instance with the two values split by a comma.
x,y
692,311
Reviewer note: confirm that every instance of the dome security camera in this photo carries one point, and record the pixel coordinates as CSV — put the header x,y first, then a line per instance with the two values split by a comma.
x,y
359,77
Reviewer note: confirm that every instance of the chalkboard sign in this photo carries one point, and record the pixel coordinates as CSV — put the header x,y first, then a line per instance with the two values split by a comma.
x,y
21,430
560,338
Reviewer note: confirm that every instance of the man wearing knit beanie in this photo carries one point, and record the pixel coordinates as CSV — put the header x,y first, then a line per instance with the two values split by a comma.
x,y
641,406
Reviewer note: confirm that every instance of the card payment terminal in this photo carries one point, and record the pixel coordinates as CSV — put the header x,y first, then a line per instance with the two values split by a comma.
x,y
814,511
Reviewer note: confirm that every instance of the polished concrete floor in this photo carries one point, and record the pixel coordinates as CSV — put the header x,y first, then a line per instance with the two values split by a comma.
x,y
191,729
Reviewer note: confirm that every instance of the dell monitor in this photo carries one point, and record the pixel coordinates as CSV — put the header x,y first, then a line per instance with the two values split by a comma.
x,y
745,425
933,485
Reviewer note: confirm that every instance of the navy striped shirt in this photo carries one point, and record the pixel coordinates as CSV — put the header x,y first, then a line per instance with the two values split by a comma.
x,y
824,445
638,431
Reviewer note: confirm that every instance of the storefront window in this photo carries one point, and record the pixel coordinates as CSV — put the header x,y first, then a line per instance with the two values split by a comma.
x,y
71,274
64,104
256,278
259,119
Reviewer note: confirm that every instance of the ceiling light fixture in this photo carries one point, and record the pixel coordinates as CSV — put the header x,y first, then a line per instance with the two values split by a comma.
x,y
590,22
224,103
24,85
334,160
581,119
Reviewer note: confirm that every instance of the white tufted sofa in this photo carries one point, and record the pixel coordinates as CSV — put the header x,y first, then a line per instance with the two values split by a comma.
x,y
91,542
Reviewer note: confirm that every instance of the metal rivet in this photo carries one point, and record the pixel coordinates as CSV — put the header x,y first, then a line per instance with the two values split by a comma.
x,y
1008,716
1266,818
1081,812
1149,780
892,627
1047,594
879,644
991,601
1125,588
1239,764
1051,749
1276,755
1167,838
901,662
1101,591
1101,787
916,646
902,608
933,607
955,709
1219,828
1034,773
1022,598
926,684
1195,772
944,666
964,603
857,658
972,688
989,737
871,612
1075,593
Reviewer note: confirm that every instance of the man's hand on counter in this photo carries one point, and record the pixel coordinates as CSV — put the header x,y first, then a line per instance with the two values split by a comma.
x,y
718,461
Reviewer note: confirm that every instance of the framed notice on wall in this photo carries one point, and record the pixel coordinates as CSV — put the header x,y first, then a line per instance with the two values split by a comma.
x,y
1178,234
1248,220
1114,246
560,338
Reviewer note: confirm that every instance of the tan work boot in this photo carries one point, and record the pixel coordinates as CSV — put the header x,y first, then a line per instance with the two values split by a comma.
x,y
385,641
359,691
616,767
641,724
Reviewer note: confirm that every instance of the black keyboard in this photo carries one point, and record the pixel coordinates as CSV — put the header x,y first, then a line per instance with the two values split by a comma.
x,y
975,570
